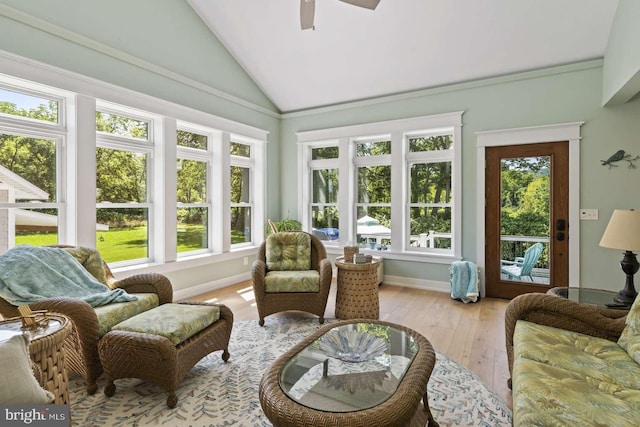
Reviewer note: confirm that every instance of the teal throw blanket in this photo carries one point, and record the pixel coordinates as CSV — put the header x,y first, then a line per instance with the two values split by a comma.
x,y
29,274
464,281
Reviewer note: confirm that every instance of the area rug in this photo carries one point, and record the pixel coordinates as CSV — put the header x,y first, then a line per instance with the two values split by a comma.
x,y
215,393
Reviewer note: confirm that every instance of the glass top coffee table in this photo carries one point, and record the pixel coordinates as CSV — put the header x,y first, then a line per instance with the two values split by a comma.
x,y
355,372
595,297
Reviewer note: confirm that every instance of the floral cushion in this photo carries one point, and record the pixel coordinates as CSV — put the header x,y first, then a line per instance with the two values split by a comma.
x,y
176,322
111,314
90,260
630,337
292,281
566,378
288,251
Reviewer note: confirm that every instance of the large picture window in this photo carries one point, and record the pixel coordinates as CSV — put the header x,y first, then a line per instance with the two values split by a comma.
x,y
397,192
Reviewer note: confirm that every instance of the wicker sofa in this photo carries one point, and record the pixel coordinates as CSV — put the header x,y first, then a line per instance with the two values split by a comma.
x,y
571,363
90,324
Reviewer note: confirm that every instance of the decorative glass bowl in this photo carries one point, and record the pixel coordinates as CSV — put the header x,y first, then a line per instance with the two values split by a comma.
x,y
352,346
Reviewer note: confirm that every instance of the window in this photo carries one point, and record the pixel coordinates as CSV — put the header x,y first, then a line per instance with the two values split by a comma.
x,y
430,163
325,218
171,183
124,148
395,184
31,140
373,193
241,193
194,200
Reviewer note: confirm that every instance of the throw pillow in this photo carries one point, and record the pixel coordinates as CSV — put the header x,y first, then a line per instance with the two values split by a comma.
x,y
18,386
90,260
288,251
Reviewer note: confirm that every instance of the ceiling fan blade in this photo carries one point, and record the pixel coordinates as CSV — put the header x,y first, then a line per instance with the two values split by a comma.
x,y
307,11
367,4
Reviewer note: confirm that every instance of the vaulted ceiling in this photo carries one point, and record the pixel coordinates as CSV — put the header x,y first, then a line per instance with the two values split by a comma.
x,y
402,46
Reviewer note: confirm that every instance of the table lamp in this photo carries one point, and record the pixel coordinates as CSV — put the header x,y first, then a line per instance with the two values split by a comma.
x,y
623,232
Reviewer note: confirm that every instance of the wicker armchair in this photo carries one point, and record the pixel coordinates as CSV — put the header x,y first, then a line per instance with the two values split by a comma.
x,y
557,312
81,347
275,302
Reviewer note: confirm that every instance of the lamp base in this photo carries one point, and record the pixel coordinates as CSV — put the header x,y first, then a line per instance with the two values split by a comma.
x,y
630,267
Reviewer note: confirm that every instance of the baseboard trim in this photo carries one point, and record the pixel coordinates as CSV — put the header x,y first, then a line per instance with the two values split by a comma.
x,y
407,282
214,285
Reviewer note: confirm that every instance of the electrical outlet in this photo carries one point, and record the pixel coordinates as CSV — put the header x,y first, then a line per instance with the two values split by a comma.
x,y
246,260
589,214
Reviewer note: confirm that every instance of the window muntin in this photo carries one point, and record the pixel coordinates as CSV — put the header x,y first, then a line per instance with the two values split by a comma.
x,y
31,106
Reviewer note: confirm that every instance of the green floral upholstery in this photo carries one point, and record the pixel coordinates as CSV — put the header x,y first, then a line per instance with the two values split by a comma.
x,y
630,337
292,281
90,260
176,322
288,251
111,314
566,378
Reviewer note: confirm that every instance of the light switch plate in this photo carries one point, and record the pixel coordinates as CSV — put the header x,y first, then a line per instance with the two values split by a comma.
x,y
589,214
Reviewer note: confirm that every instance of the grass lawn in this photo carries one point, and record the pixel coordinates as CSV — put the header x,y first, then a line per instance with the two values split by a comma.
x,y
121,244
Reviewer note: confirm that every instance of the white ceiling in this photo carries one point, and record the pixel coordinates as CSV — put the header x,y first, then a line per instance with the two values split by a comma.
x,y
403,45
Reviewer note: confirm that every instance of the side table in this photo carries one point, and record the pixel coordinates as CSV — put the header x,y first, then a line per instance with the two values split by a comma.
x,y
357,290
599,298
46,351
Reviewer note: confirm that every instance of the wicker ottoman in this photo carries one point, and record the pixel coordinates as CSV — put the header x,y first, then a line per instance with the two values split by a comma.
x,y
158,358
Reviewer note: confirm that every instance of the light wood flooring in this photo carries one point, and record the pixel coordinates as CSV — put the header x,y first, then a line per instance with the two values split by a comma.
x,y
470,334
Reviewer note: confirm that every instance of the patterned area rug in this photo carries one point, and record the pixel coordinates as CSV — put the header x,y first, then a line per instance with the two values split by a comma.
x,y
215,393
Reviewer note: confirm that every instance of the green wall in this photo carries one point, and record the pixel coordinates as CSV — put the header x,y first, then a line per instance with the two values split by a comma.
x,y
560,95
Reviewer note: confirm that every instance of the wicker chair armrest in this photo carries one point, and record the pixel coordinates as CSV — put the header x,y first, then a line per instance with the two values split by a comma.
x,y
258,271
148,283
326,273
557,312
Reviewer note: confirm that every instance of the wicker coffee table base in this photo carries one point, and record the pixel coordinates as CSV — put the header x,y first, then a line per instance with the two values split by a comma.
x,y
155,359
401,409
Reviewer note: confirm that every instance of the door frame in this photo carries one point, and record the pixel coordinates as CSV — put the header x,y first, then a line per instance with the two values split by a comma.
x,y
532,135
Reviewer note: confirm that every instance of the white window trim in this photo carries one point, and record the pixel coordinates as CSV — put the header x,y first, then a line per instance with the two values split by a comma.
x,y
398,129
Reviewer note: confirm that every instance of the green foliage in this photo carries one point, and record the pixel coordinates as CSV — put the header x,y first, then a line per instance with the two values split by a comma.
x,y
286,224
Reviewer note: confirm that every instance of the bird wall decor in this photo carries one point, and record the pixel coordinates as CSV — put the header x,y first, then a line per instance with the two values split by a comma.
x,y
619,156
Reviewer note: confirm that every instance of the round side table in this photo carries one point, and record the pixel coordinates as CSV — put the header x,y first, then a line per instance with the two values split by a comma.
x,y
357,290
46,351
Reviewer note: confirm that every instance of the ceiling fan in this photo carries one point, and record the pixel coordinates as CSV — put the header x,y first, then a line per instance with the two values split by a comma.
x,y
308,8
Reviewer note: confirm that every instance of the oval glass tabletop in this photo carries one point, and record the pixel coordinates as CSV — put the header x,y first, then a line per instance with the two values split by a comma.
x,y
350,368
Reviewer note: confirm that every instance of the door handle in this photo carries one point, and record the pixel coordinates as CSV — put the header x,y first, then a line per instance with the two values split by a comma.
x,y
561,224
560,236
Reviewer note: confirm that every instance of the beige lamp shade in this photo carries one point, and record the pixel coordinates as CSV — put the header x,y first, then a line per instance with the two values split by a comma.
x,y
623,231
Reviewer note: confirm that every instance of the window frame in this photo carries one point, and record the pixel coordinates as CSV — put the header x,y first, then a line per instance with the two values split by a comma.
x,y
248,163
400,159
316,165
205,156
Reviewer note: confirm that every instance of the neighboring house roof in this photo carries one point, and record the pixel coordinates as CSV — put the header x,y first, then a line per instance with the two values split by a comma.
x,y
27,218
24,189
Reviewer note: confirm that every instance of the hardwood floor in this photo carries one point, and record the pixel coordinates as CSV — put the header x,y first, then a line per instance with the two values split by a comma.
x,y
470,334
